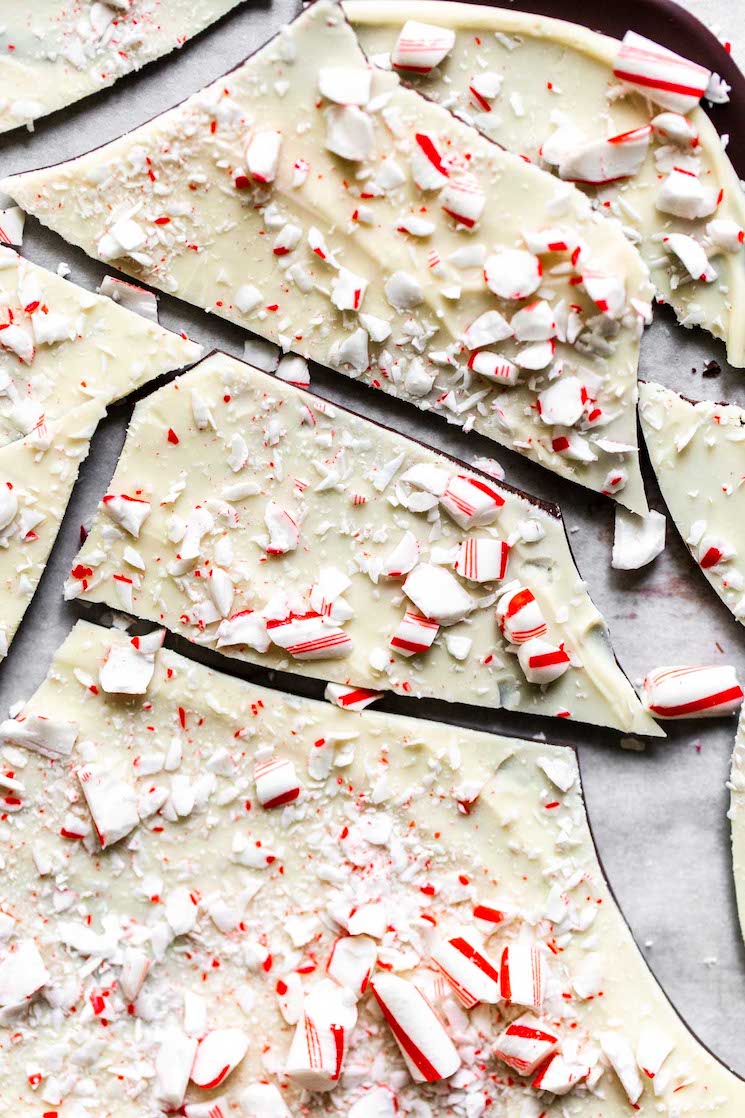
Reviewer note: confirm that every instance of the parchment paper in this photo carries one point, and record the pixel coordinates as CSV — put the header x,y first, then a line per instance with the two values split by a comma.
x,y
659,816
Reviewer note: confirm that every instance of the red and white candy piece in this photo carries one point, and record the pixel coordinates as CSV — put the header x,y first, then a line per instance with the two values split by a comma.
x,y
173,1066
562,403
472,975
346,85
526,1043
12,221
111,802
484,88
135,966
513,273
437,594
482,559
708,550
534,323
671,81
558,1076
522,978
309,636
129,666
603,161
488,328
725,234
348,290
471,502
427,167
519,616
544,241
131,297
541,661
130,513
621,1058
18,341
262,155
494,367
276,781
675,129
421,46
350,698
425,1046
352,962
415,634
608,292
318,1048
403,558
652,1049
682,195
691,255
218,1054
40,735
463,199
216,1108
700,692
245,627
284,534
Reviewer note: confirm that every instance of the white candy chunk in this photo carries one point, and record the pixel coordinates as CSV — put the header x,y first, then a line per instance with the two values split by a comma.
x,y
22,974
482,559
425,1046
215,1108
536,356
130,513
489,327
725,234
18,341
50,327
379,1102
348,290
621,1058
12,221
131,297
8,506
416,226
421,46
484,88
346,85
181,910
429,478
437,594
660,74
534,323
352,351
691,255
349,132
309,637
403,291
522,976
526,1043
415,634
276,782
262,156
294,370
377,328
263,1100
542,662
135,966
619,157
290,997
471,502
218,1054
128,668
637,540
463,199
173,1066
562,403
247,299
652,1049
462,962
352,961
246,627
558,1076
284,534
513,273
403,558
40,735
682,195
318,1048
221,590
607,292
701,692
111,802
427,167
494,367
562,774
675,129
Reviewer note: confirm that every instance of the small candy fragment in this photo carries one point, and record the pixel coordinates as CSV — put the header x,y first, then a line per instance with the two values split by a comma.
x,y
309,636
262,156
130,513
18,341
215,1108
682,195
349,132
352,961
513,273
489,327
173,1065
703,692
660,74
637,540
346,85
471,502
691,255
427,168
415,634
12,221
42,735
603,161
348,290
22,973
218,1054
562,403
525,1044
111,802
129,666
403,558
135,966
541,661
350,698
276,782
284,534
318,1048
484,88
621,1058
421,46
725,234
263,1100
558,1076
472,975
675,129
519,616
438,595
482,559
131,297
463,199
425,1046
246,627
494,367
652,1049
522,978
534,323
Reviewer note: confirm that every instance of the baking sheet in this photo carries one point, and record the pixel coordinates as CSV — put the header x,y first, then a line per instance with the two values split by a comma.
x,y
659,816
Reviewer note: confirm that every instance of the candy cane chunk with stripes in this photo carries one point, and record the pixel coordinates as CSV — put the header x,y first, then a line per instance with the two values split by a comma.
x,y
400,556
620,119
280,151
705,692
276,781
376,986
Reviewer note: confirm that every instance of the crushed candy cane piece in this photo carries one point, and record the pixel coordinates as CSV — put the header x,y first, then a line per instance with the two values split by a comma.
x,y
621,1058
425,1046
541,661
276,782
318,1048
437,594
604,161
415,634
637,539
130,513
262,156
482,559
526,1043
346,85
513,273
472,975
701,692
350,698
131,297
519,616
668,79
218,1055
522,976
691,255
421,46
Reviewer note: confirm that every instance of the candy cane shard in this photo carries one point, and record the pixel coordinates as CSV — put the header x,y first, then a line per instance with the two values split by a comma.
x,y
323,177
343,605
343,958
621,119
705,692
70,54
695,450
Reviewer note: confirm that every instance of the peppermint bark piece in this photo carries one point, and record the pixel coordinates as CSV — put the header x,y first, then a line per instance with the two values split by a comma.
x,y
205,919
61,346
313,200
603,114
696,449
54,56
257,519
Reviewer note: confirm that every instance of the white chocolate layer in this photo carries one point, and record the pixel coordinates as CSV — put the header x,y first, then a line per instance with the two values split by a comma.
x,y
401,830
347,261
558,72
339,477
62,54
696,449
